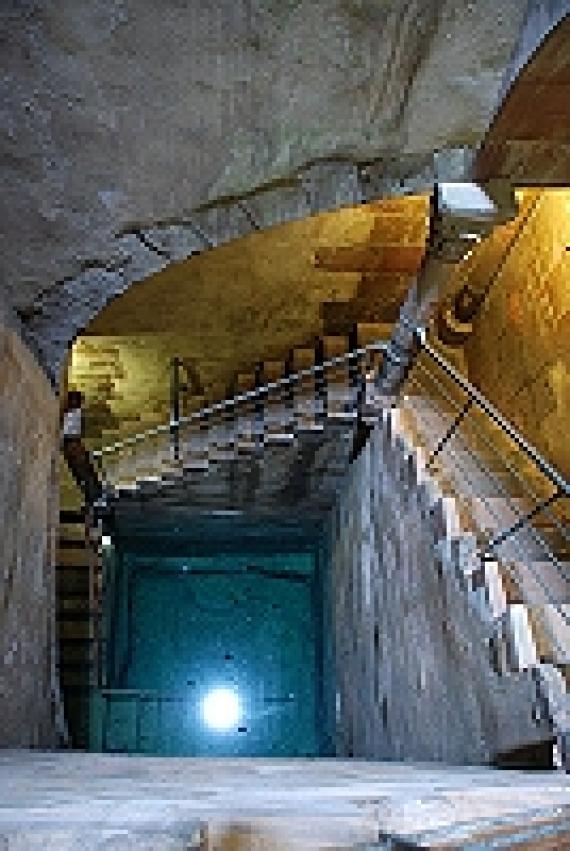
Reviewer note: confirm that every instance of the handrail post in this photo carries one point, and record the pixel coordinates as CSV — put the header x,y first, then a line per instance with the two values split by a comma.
x,y
321,382
259,407
449,433
488,408
175,387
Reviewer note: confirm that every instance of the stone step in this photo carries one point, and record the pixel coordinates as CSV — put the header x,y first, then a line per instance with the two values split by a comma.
x,y
71,530
78,598
74,641
334,345
73,585
74,630
274,804
271,370
371,332
72,516
74,609
302,357
73,679
535,580
76,553
551,631
244,382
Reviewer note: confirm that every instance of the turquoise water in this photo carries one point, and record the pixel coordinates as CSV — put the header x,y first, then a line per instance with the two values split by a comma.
x,y
179,628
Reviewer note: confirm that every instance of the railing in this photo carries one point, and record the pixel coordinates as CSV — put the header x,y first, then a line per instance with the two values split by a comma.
x,y
475,397
318,401
522,496
337,387
306,399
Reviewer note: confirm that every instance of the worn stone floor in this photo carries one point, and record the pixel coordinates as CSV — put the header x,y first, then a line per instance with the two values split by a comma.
x,y
85,801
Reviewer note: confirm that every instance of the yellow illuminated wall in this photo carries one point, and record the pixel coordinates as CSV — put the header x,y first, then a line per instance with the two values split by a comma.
x,y
519,352
223,311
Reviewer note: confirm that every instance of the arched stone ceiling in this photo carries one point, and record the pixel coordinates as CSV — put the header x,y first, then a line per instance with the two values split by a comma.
x,y
122,117
529,141
247,302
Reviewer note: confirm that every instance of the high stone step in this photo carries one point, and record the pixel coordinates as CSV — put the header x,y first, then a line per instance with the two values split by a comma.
x,y
550,625
71,533
72,582
302,357
74,628
244,382
372,332
271,370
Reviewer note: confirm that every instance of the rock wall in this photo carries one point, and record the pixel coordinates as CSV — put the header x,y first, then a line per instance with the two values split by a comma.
x,y
128,113
123,119
413,670
28,513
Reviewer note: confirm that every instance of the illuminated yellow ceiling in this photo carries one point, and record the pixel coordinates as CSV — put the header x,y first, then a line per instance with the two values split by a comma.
x,y
258,296
249,301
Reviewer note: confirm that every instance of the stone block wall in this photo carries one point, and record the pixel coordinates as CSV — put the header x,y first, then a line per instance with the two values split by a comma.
x,y
413,669
519,352
28,514
220,312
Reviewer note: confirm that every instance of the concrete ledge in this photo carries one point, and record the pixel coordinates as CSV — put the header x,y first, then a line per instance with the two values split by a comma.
x,y
92,801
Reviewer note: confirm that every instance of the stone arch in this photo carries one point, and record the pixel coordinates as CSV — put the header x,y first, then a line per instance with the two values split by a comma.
x,y
58,313
67,307
528,141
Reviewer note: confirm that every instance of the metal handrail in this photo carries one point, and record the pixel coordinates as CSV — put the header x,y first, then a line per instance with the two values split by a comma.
x,y
489,550
521,521
530,491
531,494
249,396
503,492
531,451
420,336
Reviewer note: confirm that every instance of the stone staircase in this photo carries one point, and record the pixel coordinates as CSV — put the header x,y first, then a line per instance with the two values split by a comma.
x,y
261,439
77,592
317,401
520,585
526,634
412,632
317,391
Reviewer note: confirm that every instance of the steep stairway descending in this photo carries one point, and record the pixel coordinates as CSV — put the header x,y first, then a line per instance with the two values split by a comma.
x,y
521,524
400,565
385,264
523,639
77,591
98,371
303,416
319,388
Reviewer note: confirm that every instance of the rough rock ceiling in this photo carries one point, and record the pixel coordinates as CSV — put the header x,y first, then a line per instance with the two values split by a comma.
x,y
126,114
